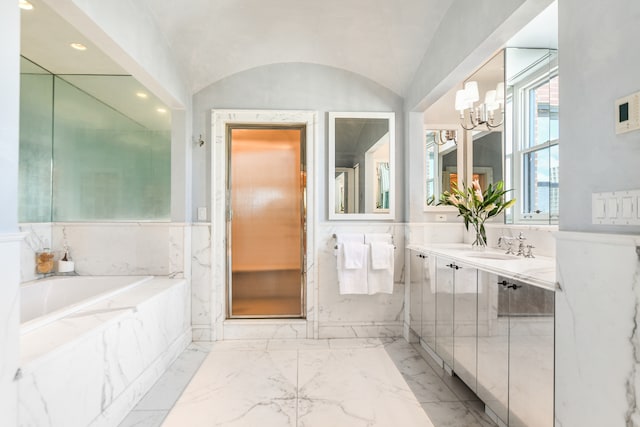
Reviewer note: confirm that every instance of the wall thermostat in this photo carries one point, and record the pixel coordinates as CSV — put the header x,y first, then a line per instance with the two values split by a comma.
x,y
628,113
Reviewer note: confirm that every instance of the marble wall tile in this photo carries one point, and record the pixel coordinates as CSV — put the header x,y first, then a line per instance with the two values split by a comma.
x,y
597,337
117,249
358,315
38,237
201,284
177,247
9,330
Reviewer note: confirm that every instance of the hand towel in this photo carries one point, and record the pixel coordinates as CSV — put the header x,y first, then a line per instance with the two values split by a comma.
x,y
380,281
349,237
381,255
354,254
353,280
380,272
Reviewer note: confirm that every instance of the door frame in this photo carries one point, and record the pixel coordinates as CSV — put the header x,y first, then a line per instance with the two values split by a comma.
x,y
229,217
220,120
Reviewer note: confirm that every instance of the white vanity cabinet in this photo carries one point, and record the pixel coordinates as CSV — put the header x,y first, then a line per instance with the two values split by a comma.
x,y
416,288
494,332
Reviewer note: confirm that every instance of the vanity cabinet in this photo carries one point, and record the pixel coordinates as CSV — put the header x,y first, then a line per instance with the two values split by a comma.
x,y
416,288
515,350
444,310
494,332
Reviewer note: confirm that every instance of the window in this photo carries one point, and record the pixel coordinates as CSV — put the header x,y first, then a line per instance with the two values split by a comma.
x,y
531,149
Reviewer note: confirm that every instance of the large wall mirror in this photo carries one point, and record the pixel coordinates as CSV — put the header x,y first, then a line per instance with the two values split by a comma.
x,y
361,165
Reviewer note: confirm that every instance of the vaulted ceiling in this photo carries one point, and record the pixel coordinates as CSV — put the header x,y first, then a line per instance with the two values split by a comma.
x,y
382,40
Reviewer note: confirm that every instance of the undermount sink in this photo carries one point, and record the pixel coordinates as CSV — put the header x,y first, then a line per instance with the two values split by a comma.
x,y
491,255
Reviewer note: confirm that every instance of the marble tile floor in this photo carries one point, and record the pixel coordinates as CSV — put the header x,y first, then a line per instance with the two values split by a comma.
x,y
306,383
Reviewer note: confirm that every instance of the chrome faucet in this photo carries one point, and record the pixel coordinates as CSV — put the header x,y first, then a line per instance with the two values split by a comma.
x,y
507,240
521,239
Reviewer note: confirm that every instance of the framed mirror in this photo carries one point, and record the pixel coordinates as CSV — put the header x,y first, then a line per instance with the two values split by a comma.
x,y
361,165
443,155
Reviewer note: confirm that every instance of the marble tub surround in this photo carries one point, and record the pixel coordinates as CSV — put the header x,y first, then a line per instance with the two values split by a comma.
x,y
539,271
132,248
597,341
354,382
107,356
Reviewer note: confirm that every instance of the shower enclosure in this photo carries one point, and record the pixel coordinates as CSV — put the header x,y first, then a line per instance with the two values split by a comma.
x,y
266,221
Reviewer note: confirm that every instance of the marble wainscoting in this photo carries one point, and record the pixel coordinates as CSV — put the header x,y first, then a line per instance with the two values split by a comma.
x,y
597,336
357,316
9,331
133,248
92,367
202,291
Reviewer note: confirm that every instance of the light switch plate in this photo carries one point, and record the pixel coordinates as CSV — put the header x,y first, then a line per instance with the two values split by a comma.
x,y
202,214
616,207
628,113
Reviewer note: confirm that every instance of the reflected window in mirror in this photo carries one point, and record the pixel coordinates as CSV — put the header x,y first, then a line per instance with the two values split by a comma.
x,y
532,134
441,159
361,165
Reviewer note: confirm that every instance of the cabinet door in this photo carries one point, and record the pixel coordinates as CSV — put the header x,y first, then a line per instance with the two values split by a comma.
x,y
444,310
416,278
465,327
531,352
429,302
493,343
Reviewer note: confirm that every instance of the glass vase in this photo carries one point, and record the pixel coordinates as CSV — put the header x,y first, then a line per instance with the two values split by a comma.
x,y
480,242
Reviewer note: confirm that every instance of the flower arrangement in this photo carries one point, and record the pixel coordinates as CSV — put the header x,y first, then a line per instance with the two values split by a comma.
x,y
476,206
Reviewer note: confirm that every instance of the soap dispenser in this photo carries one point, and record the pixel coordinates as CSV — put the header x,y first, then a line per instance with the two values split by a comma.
x,y
65,265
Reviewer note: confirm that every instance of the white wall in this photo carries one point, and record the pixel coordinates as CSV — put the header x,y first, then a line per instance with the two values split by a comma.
x,y
293,86
598,64
597,312
9,240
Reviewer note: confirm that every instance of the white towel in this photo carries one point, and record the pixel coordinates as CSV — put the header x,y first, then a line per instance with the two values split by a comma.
x,y
380,273
380,281
381,255
354,280
354,255
349,237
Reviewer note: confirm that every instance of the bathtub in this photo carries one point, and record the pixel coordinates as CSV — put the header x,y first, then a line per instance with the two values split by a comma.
x,y
91,347
47,300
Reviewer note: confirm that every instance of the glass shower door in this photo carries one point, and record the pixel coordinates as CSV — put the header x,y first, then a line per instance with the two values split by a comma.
x,y
266,184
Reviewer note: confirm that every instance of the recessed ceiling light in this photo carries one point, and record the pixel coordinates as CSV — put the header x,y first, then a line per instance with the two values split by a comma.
x,y
142,95
161,110
78,46
25,5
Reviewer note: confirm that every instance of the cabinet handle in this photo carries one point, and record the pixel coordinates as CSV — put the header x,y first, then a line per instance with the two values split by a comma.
x,y
514,286
450,265
503,283
457,267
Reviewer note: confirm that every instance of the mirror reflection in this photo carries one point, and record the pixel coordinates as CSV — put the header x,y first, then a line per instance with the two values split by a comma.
x,y
441,163
361,147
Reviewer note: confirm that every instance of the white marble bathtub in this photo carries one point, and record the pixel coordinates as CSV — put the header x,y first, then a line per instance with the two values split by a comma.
x,y
47,300
89,361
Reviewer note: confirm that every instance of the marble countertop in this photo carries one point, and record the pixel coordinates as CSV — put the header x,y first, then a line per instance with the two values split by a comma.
x,y
539,271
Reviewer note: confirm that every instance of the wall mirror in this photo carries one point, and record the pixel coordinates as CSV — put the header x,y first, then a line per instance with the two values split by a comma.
x,y
485,158
532,135
361,165
442,154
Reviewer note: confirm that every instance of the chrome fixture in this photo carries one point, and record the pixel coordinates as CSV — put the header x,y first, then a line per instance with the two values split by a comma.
x,y
529,253
521,239
447,135
483,114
